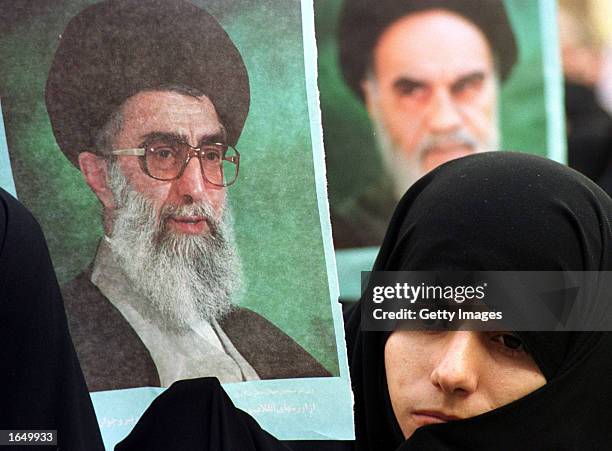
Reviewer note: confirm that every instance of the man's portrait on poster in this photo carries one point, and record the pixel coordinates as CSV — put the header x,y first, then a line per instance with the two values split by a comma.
x,y
428,73
152,121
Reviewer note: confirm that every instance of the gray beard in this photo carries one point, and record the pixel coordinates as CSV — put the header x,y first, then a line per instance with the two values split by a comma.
x,y
182,279
404,170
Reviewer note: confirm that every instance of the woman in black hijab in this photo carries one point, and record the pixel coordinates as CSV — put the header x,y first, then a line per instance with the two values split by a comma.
x,y
497,212
41,383
535,390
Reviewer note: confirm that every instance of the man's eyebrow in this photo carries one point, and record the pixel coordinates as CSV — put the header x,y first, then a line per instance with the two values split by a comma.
x,y
162,136
219,136
465,80
406,85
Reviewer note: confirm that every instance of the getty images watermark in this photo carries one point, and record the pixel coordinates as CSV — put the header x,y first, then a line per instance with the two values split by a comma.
x,y
487,300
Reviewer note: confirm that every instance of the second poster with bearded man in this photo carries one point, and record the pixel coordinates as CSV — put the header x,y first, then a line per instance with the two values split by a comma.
x,y
409,85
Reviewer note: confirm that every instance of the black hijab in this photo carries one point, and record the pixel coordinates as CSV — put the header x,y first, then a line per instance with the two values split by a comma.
x,y
197,415
499,211
41,383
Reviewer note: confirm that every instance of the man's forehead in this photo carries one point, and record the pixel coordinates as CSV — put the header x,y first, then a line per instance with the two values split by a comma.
x,y
432,45
171,112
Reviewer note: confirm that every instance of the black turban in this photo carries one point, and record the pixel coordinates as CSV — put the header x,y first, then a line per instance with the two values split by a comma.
x,y
363,21
117,48
498,211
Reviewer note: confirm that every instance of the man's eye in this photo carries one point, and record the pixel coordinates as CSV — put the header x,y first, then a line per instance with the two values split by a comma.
x,y
474,81
164,152
509,341
212,155
407,87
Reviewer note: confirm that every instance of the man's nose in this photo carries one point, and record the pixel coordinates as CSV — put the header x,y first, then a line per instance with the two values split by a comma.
x,y
444,115
191,186
456,368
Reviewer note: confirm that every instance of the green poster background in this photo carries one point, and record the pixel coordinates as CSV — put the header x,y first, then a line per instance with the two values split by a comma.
x,y
274,201
528,111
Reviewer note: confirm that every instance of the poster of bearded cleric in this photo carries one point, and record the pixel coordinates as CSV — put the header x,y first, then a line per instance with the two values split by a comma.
x,y
408,85
172,152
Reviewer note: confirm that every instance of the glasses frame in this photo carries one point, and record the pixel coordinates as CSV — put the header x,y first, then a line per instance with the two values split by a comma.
x,y
141,152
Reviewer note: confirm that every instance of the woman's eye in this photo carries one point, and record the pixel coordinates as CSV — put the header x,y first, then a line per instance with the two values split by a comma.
x,y
435,325
510,341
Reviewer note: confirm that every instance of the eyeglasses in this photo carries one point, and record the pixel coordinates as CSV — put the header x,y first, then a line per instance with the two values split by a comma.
x,y
163,161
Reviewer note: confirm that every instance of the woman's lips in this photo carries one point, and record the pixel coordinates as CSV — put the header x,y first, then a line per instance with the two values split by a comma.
x,y
191,225
423,417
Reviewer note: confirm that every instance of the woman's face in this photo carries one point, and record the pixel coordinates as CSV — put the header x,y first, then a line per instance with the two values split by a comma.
x,y
439,376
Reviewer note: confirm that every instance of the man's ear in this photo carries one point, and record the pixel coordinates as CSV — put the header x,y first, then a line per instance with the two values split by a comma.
x,y
368,88
95,171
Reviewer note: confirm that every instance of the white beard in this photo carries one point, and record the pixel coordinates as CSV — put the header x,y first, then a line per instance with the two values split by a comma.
x,y
182,278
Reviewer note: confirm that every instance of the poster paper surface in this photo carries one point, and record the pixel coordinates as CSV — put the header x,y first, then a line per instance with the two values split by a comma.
x,y
278,207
